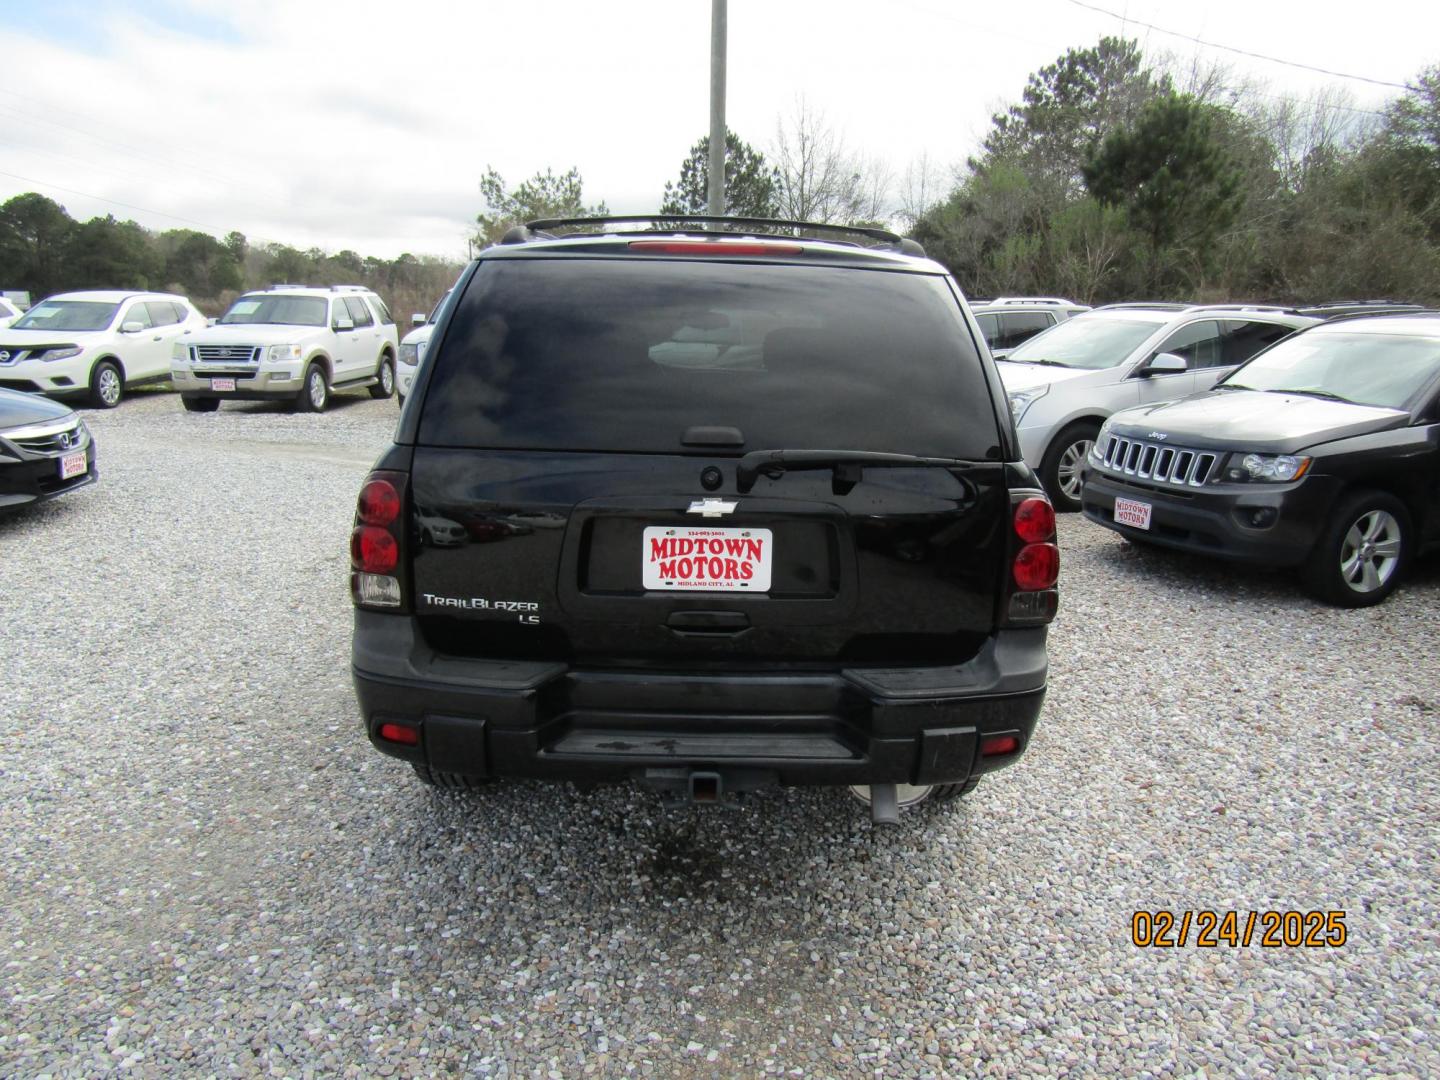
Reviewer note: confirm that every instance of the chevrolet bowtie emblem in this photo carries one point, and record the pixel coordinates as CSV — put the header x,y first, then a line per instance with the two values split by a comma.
x,y
712,507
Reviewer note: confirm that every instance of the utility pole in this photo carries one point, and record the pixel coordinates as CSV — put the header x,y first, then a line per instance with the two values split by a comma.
x,y
716,201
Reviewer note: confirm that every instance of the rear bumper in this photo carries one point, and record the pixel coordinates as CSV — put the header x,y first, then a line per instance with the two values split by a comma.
x,y
552,721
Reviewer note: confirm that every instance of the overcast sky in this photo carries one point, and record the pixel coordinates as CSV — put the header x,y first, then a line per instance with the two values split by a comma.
x,y
368,125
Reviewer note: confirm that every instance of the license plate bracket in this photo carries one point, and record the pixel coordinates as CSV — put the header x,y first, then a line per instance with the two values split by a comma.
x,y
703,558
1133,512
72,465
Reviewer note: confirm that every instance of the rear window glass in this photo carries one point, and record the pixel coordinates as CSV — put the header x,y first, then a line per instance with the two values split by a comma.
x,y
626,356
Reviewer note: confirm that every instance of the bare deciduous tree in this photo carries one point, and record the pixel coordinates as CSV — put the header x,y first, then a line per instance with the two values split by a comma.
x,y
820,178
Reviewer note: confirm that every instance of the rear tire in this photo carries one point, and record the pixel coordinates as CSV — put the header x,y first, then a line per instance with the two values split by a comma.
x,y
1362,553
200,404
1060,470
107,385
386,386
315,391
450,781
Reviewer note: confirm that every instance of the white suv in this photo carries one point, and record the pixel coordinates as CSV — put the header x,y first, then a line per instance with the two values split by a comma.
x,y
1064,382
8,311
290,341
95,343
1007,321
413,346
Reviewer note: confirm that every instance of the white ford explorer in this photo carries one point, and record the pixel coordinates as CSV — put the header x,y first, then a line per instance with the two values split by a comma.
x,y
293,342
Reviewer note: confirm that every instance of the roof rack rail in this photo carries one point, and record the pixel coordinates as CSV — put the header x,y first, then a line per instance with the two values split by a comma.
x,y
1391,313
1153,305
1273,309
539,230
349,288
1032,300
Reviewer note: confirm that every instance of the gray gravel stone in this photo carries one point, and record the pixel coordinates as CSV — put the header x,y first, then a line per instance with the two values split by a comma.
x,y
208,871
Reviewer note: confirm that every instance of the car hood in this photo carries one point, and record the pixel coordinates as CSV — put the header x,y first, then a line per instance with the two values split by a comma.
x,y
1266,422
419,334
13,339
17,409
1024,376
253,334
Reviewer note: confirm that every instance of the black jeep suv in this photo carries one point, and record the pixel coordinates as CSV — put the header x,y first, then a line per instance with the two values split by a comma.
x,y
1321,453
709,508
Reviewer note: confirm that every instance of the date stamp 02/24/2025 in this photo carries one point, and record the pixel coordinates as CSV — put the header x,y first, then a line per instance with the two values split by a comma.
x,y
1164,929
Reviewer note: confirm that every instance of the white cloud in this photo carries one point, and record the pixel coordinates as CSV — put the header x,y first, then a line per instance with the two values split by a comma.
x,y
368,126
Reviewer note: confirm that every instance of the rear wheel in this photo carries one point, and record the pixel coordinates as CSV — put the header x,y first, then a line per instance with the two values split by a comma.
x,y
315,392
200,404
1362,552
107,386
453,781
386,386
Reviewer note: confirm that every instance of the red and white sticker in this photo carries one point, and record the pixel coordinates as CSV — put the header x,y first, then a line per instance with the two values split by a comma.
x,y
73,465
1132,512
704,559
222,384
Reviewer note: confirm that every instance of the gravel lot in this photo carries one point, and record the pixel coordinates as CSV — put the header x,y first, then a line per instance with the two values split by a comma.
x,y
207,870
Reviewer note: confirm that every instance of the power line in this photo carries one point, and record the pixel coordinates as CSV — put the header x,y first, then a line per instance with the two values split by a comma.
x,y
1241,52
112,202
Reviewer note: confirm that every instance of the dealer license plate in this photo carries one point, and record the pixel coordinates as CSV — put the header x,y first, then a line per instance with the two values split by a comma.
x,y
698,558
73,465
222,384
1132,513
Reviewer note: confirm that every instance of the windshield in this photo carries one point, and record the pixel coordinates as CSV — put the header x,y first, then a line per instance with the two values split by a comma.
x,y
1090,341
629,355
1385,370
435,311
285,310
71,315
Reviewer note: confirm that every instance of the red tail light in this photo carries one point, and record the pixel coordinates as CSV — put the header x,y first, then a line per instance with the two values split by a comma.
x,y
1035,521
998,745
373,550
1037,567
403,734
377,543
379,502
714,247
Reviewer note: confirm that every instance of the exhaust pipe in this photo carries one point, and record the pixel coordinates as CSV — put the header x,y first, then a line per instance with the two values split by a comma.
x,y
884,805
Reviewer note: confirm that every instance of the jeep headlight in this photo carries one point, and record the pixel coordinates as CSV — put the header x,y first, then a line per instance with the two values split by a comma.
x,y
1102,440
281,353
1274,467
62,354
409,354
1021,400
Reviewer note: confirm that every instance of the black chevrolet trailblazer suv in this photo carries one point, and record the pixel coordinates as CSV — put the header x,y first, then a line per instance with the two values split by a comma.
x,y
707,507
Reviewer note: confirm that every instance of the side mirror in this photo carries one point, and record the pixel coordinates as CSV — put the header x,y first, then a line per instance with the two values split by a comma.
x,y
1166,363
131,327
211,321
418,319
343,323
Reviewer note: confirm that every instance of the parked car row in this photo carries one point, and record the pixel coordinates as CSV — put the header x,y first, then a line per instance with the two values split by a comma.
x,y
288,342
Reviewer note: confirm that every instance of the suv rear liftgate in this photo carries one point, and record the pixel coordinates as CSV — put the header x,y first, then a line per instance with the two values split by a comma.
x,y
614,538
